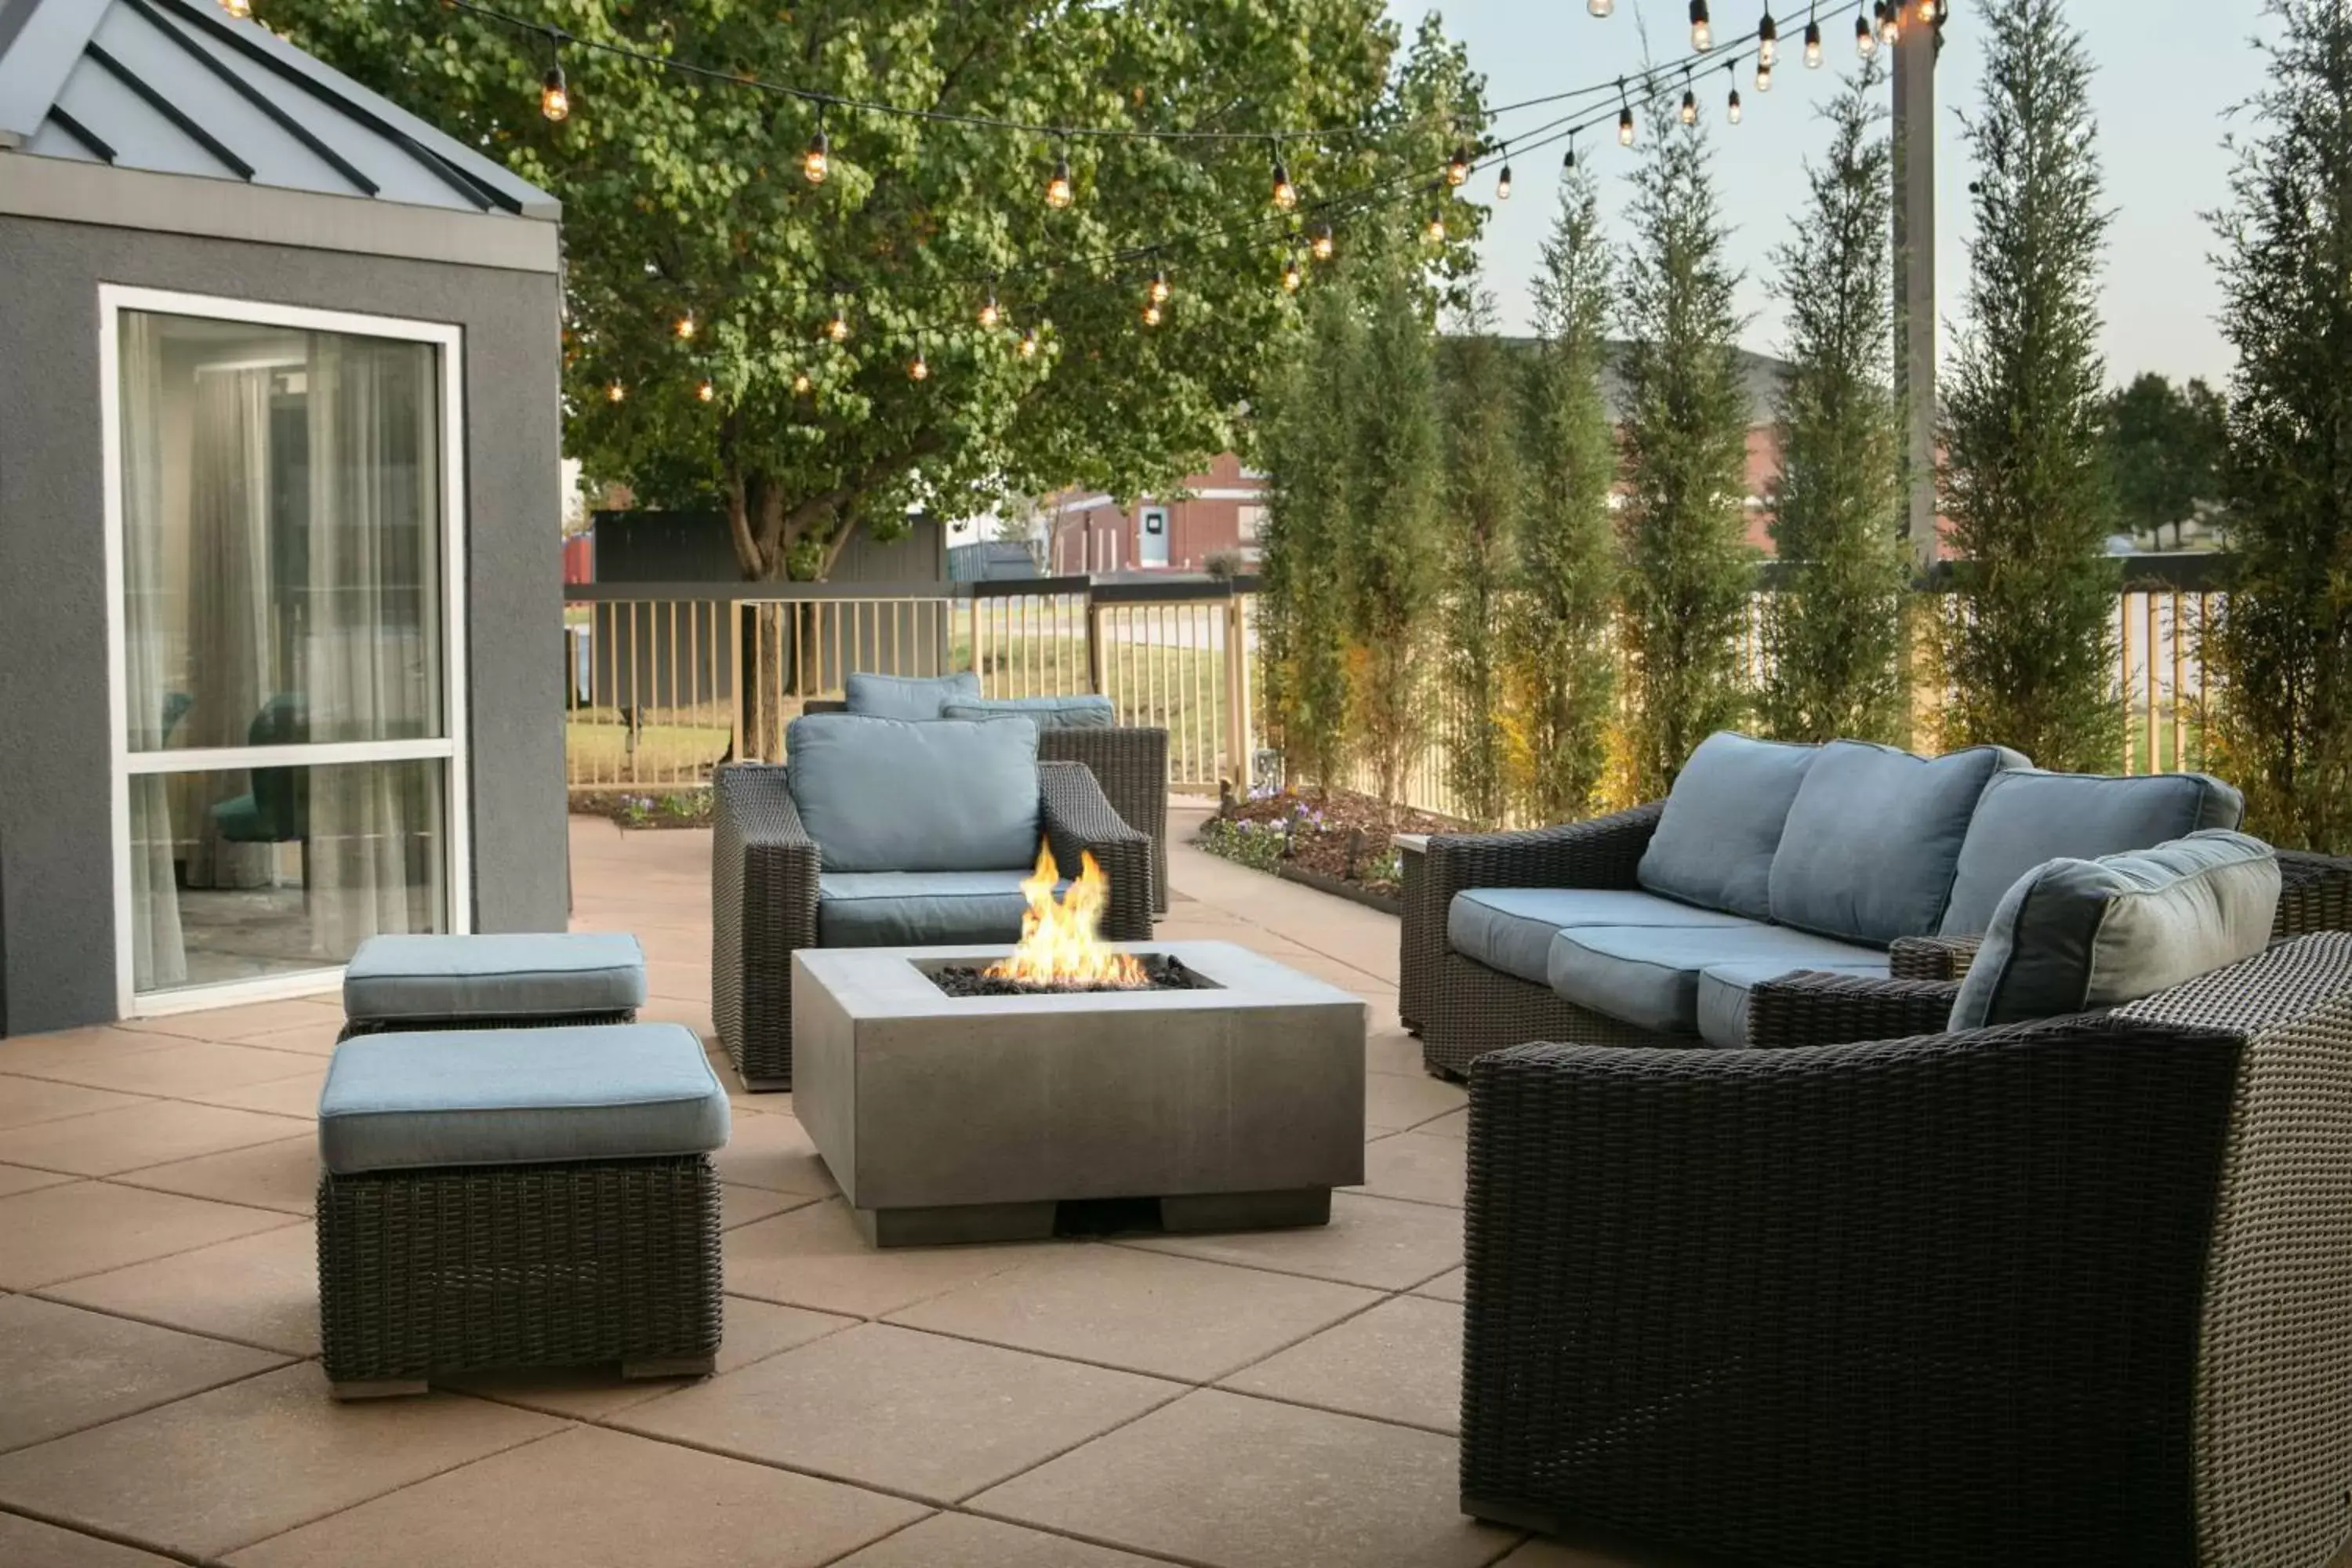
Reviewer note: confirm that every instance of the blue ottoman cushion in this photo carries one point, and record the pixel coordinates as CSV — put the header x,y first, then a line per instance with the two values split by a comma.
x,y
518,974
517,1097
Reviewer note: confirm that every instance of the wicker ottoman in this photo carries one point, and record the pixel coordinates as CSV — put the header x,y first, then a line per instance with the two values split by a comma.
x,y
518,1197
514,980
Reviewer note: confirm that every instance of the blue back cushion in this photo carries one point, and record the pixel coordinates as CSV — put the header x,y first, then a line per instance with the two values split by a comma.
x,y
2028,816
1873,839
907,696
1713,845
2077,934
1049,712
888,794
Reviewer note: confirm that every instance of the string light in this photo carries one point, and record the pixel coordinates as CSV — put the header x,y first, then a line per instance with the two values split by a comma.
x,y
1291,276
614,392
1865,42
800,383
1568,163
683,328
240,9
1890,25
1763,79
919,368
1813,44
1702,35
705,390
989,314
554,97
1731,109
1928,11
1601,7
1690,107
1436,227
1324,245
1503,184
1767,40
1160,289
1029,343
1624,116
837,328
1059,192
1285,194
817,163
1457,167
1151,312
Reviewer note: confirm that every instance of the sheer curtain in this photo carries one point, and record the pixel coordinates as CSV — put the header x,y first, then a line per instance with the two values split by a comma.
x,y
377,841
158,956
233,639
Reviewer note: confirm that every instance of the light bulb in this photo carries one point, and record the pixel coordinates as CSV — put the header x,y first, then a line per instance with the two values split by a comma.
x,y
1690,107
1625,126
1160,289
1291,276
1601,7
554,97
837,328
1813,45
705,392
1436,229
1569,162
988,314
1029,343
240,9
1763,79
1731,109
800,383
917,369
1457,167
1767,40
1928,12
1324,244
1702,35
1890,27
1285,194
1058,190
1151,312
1503,184
684,327
614,392
1865,42
818,161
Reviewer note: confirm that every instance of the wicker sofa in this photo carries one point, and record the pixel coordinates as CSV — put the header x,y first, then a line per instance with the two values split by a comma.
x,y
769,892
2068,1293
1463,1005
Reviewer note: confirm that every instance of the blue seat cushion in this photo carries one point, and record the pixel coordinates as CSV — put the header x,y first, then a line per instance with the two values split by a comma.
x,y
920,908
888,794
515,974
2026,817
1648,976
1510,929
914,696
1723,990
1873,839
1080,712
519,1097
1722,822
2076,935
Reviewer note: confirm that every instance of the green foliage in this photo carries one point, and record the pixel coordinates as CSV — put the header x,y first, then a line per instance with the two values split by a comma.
x,y
1305,443
1834,632
1559,680
1389,534
2284,649
2031,647
1260,846
1485,491
1688,566
687,196
2164,447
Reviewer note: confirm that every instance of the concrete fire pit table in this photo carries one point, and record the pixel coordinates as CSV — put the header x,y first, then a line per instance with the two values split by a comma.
x,y
1238,1105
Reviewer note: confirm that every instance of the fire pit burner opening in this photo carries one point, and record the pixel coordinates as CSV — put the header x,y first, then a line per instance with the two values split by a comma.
x,y
1160,972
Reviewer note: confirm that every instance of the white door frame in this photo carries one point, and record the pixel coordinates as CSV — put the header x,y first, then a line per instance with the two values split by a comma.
x,y
450,339
1145,554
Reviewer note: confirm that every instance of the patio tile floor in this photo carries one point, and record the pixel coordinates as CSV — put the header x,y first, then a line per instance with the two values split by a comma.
x,y
1272,1400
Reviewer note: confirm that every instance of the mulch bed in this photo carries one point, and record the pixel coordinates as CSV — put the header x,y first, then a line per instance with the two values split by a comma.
x,y
1334,836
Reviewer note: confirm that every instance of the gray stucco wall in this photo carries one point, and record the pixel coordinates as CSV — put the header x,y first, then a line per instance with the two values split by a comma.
x,y
56,917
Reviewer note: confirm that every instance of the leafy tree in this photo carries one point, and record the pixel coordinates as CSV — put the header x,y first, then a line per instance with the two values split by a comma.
x,y
1834,631
1558,675
1688,566
1389,541
2031,652
1304,441
685,198
2164,448
1485,490
2284,649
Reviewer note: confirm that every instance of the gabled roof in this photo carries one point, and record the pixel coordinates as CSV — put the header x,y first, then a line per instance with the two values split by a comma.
x,y
179,87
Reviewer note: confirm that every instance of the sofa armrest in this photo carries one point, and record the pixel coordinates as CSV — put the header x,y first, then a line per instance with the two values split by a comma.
x,y
2315,894
1131,763
1809,1007
1078,820
1937,1273
763,893
1932,957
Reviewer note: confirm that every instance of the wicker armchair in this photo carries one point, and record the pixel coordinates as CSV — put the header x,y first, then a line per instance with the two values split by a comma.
x,y
2071,1293
764,898
1466,1009
1131,765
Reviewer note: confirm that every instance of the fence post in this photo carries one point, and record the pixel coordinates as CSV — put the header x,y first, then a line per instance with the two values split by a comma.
x,y
1239,752
1094,642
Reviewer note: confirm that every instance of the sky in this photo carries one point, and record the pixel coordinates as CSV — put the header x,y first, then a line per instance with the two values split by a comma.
x,y
2168,72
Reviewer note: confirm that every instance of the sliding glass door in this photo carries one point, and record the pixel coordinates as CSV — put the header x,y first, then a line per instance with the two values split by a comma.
x,y
285,548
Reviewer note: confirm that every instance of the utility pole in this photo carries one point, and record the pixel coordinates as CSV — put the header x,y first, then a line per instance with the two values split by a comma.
x,y
1922,22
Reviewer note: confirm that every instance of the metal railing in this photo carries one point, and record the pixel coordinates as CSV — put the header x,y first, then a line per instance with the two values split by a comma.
x,y
653,700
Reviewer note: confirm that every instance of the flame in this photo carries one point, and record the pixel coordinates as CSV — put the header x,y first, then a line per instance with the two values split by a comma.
x,y
1059,944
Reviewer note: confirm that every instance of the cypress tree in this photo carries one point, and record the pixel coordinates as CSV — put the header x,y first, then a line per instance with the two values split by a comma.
x,y
1305,446
1484,491
1389,556
2031,651
2284,651
1832,632
1558,675
1688,566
